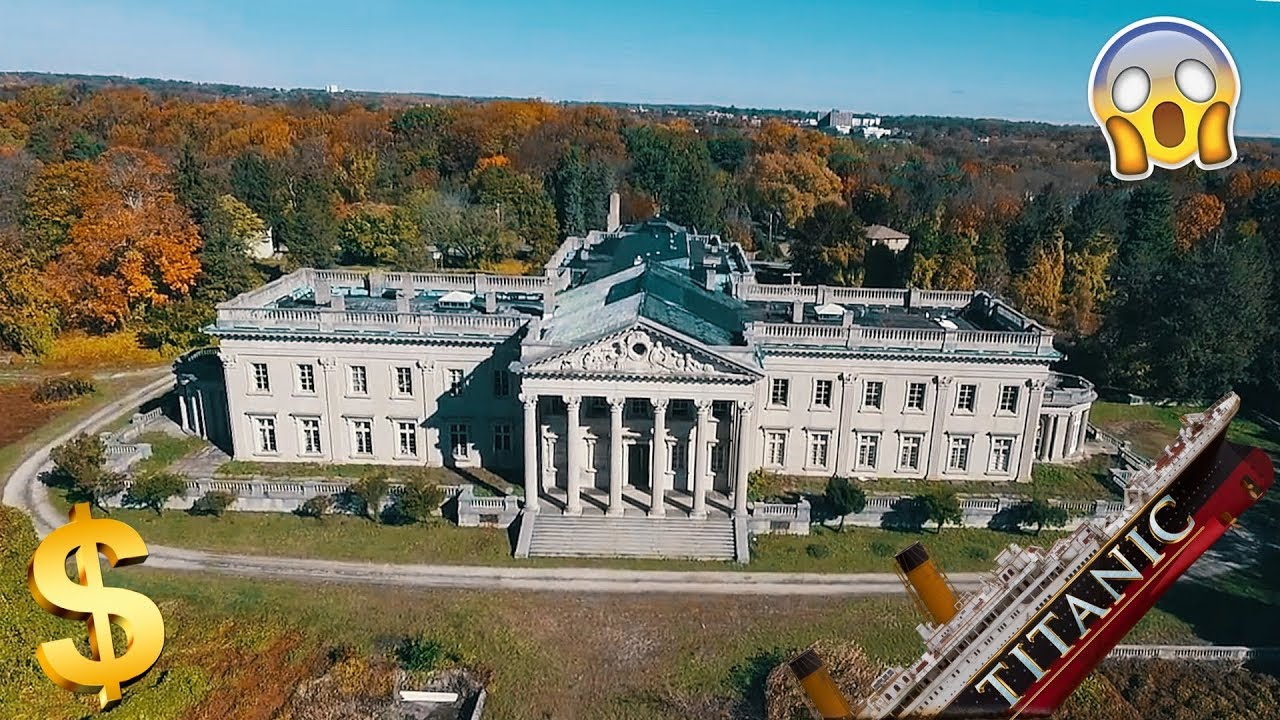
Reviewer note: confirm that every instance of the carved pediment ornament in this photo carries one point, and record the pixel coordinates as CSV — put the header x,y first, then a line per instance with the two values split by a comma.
x,y
636,351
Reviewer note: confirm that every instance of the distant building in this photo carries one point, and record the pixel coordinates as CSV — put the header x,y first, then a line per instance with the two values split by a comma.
x,y
843,122
332,89
893,239
262,247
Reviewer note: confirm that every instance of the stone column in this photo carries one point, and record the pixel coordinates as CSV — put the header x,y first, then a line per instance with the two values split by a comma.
x,y
182,404
658,460
573,452
1028,449
742,467
700,459
937,435
530,452
616,454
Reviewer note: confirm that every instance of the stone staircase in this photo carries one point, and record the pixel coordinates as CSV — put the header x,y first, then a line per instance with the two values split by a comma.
x,y
555,535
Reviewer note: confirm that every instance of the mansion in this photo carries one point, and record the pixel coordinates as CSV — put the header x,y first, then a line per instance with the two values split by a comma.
x,y
644,372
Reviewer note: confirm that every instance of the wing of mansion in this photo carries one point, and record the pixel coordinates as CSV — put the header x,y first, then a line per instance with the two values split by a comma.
x,y
646,371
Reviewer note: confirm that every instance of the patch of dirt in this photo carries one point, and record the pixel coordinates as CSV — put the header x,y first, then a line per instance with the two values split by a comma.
x,y
20,415
849,666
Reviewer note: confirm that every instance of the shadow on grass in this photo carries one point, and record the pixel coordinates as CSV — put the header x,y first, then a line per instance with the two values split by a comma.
x,y
749,678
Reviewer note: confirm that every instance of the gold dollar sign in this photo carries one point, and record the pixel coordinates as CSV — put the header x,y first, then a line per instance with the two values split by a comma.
x,y
89,600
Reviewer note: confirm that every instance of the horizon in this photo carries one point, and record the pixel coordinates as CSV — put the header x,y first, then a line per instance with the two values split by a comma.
x,y
918,61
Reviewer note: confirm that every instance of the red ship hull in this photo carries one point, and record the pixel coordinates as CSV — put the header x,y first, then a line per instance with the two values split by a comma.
x,y
1035,673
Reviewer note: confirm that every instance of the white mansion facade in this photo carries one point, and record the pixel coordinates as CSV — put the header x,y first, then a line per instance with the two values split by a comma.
x,y
645,371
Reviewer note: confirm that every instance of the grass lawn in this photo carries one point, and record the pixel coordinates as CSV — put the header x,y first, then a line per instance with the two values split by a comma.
x,y
165,450
25,424
1087,480
240,647
343,537
1151,427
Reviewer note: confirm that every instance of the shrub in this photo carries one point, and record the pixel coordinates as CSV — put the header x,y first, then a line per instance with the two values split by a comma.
x,y
419,500
762,484
883,549
370,491
814,550
214,502
421,654
61,389
316,507
975,552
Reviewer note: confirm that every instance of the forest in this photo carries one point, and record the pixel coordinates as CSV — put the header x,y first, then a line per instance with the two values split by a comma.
x,y
133,206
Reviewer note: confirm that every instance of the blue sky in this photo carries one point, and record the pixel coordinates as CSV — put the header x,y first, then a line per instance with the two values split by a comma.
x,y
1020,60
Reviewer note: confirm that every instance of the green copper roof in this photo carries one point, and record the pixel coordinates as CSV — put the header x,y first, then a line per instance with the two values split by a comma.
x,y
653,291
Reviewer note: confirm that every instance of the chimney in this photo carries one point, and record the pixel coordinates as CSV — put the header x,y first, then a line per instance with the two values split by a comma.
x,y
376,283
402,302
338,302
797,311
713,281
323,292
615,212
490,302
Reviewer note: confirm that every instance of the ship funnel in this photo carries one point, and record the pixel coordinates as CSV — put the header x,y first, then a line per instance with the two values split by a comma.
x,y
926,584
818,685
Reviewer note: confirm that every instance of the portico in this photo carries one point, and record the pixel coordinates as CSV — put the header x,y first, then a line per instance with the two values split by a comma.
x,y
624,452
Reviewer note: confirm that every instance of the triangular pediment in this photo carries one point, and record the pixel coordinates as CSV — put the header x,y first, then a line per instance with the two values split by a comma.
x,y
642,350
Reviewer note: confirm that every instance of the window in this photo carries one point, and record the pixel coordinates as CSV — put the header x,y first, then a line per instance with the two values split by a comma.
x,y
966,398
868,451
407,437
872,395
1001,455
915,396
459,439
779,391
682,408
502,437
958,457
404,381
457,379
638,407
822,393
359,376
719,457
776,448
362,440
306,378
1009,399
261,381
819,443
679,455
310,436
501,383
1039,437
909,452
266,435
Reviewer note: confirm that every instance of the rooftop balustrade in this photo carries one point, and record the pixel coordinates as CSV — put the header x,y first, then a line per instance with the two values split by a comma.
x,y
857,337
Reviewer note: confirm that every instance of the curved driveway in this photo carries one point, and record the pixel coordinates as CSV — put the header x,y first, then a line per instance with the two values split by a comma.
x,y
25,491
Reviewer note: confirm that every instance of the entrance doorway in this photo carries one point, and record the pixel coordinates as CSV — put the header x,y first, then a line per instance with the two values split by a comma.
x,y
638,465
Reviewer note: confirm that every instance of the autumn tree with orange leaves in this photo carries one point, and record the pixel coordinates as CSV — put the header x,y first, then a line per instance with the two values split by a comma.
x,y
132,247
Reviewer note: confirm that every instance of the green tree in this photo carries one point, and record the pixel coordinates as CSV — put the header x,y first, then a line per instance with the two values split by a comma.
x,y
1041,514
941,506
370,491
419,500
192,184
28,315
375,234
153,490
522,201
310,230
79,466
844,498
468,235
177,326
830,247
675,169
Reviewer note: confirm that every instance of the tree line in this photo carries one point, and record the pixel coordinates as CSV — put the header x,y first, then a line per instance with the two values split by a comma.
x,y
125,206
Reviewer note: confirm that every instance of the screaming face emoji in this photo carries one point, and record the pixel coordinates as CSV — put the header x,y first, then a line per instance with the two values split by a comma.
x,y
1164,91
